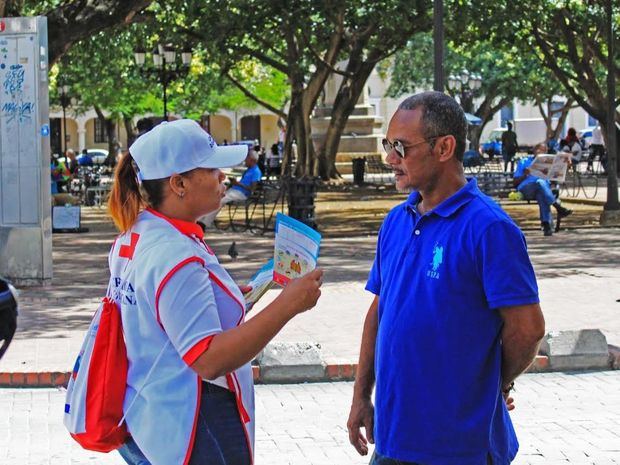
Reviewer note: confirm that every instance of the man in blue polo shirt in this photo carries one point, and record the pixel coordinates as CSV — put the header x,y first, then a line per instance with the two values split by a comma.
x,y
239,190
455,317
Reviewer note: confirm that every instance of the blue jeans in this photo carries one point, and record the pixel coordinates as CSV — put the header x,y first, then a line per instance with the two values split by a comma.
x,y
220,436
541,192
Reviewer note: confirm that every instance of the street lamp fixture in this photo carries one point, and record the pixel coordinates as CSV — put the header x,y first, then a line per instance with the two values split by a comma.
x,y
165,67
466,84
65,101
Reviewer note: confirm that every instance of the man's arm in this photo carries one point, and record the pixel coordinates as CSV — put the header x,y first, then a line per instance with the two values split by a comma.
x,y
362,410
518,180
524,328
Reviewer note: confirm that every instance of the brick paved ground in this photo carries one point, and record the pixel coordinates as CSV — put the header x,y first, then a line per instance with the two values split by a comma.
x,y
560,419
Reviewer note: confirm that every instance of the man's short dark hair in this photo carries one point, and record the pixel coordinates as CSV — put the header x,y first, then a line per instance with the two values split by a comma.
x,y
441,115
509,125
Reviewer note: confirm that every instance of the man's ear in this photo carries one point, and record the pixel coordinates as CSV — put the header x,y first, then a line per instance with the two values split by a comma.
x,y
446,147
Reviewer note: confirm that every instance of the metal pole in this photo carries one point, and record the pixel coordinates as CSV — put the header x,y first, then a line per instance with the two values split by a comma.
x,y
64,123
164,80
438,83
612,147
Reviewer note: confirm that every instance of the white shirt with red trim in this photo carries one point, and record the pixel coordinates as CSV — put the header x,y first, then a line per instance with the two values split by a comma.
x,y
174,297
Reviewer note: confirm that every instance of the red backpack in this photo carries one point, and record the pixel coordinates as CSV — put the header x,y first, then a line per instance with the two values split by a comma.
x,y
96,390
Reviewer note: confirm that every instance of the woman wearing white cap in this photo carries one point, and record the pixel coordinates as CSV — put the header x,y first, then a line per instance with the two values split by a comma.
x,y
190,397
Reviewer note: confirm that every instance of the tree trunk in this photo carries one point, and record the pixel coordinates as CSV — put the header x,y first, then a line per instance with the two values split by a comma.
x,y
129,129
113,145
485,112
553,133
348,94
475,132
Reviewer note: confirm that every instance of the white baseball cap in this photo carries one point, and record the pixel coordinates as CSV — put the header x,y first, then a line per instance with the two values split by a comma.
x,y
180,146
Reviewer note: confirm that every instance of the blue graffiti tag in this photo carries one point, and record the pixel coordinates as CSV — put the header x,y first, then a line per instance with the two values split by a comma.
x,y
14,80
17,109
21,111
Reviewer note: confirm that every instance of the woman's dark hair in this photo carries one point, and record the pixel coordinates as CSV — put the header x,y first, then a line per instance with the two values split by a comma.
x,y
128,197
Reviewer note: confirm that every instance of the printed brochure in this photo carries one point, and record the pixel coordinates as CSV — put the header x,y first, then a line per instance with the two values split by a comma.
x,y
296,251
260,283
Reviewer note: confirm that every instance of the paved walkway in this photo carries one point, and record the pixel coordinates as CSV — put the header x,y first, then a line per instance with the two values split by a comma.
x,y
578,272
560,419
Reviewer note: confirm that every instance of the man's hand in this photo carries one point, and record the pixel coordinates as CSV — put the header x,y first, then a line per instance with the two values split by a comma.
x,y
362,415
510,402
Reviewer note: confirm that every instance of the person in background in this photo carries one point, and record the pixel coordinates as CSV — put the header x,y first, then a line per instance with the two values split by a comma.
x,y
239,189
85,159
274,161
571,144
509,147
597,148
183,316
61,175
538,189
455,318
72,163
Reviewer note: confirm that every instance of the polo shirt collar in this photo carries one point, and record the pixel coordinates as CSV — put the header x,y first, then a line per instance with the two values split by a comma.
x,y
185,227
449,206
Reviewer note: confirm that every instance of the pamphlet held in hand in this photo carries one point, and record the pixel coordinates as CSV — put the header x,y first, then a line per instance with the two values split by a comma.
x,y
296,251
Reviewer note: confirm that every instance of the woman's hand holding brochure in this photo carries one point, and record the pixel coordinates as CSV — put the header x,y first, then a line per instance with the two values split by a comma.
x,y
296,251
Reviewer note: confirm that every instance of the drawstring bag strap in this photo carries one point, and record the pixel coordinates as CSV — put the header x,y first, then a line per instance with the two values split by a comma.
x,y
148,375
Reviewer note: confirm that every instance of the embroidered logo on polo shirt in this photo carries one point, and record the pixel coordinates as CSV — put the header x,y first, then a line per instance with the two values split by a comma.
x,y
436,263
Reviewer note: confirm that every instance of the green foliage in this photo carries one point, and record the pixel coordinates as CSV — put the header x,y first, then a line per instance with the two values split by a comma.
x,y
506,72
101,73
566,37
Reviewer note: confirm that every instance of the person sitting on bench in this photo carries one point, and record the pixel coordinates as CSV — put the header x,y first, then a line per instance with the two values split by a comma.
x,y
538,189
238,190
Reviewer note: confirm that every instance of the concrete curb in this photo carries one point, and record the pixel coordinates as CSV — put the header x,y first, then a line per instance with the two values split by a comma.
x,y
591,202
333,372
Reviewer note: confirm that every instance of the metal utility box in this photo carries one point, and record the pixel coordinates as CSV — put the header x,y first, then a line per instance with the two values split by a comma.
x,y
25,191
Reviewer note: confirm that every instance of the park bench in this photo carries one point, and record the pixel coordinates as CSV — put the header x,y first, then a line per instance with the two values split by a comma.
x,y
495,184
376,167
256,213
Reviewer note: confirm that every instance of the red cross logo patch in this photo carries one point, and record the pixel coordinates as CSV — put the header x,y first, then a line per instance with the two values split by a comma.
x,y
126,251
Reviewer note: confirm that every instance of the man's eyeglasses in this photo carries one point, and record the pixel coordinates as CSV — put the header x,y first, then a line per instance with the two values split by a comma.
x,y
400,148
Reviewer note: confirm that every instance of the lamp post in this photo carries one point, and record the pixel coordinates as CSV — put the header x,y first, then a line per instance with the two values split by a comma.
x,y
165,66
466,84
65,101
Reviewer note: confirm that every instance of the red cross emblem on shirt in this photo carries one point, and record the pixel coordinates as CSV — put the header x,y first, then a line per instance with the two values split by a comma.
x,y
126,251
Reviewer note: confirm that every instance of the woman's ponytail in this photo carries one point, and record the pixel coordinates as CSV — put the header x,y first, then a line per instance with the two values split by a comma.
x,y
125,200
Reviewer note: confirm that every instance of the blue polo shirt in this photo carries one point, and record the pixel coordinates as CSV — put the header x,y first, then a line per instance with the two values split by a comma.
x,y
441,278
250,176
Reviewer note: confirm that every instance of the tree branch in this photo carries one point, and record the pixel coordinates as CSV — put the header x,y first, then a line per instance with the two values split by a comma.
x,y
73,21
250,95
551,63
326,64
265,59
